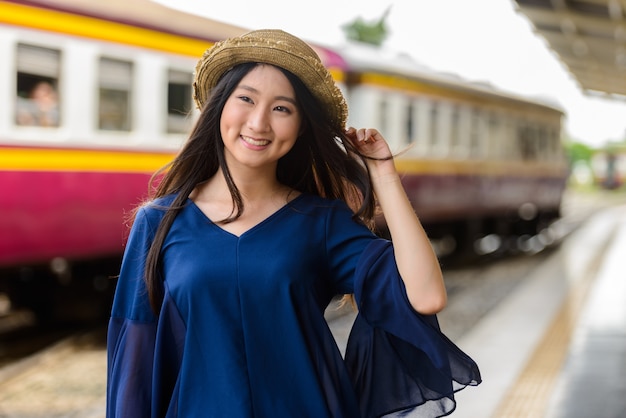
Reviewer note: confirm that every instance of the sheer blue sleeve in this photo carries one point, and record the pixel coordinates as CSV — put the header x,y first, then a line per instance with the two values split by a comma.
x,y
141,376
400,362
132,330
144,360
129,378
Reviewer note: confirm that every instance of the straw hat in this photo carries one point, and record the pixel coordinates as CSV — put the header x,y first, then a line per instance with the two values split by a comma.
x,y
276,47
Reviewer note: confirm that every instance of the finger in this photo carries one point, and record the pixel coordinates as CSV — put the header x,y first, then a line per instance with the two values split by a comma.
x,y
364,135
373,134
361,135
370,136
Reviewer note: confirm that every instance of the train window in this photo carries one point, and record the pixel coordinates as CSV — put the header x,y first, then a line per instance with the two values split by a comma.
x,y
493,136
455,137
434,124
382,115
410,123
37,102
535,143
555,142
526,141
115,83
474,138
179,101
543,146
509,147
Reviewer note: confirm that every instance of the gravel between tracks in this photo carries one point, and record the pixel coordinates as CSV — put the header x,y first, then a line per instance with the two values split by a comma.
x,y
66,380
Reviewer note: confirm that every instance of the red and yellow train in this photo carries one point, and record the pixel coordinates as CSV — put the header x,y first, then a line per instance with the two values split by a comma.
x,y
97,95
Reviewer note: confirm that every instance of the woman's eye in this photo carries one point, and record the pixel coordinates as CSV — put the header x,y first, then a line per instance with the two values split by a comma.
x,y
245,99
283,109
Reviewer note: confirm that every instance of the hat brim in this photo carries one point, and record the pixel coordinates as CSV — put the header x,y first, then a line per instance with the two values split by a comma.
x,y
277,48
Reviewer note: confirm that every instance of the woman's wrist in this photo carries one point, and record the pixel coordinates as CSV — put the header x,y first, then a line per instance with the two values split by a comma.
x,y
383,171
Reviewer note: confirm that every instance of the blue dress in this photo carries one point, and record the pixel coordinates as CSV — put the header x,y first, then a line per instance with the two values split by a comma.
x,y
241,331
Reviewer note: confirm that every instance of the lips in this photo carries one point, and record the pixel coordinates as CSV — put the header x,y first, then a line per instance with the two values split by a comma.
x,y
255,142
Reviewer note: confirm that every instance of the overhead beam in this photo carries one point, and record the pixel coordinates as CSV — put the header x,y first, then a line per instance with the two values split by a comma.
x,y
588,36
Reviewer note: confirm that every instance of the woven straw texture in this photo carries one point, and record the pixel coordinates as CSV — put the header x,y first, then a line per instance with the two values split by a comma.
x,y
275,47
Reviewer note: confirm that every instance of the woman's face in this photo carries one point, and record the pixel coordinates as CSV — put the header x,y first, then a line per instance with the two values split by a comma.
x,y
261,120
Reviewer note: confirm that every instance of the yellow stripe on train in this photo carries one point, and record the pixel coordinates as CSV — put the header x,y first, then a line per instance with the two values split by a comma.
x,y
58,159
45,159
89,27
499,168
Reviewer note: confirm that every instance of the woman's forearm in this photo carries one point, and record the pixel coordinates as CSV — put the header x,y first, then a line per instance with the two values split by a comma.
x,y
417,263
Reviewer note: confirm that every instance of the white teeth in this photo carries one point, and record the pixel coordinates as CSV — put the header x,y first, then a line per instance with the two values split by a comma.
x,y
252,141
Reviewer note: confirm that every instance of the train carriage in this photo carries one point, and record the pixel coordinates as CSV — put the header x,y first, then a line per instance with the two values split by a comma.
x,y
476,162
96,96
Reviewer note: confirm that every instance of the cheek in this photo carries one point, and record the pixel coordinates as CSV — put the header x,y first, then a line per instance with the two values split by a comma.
x,y
223,127
289,138
227,120
291,131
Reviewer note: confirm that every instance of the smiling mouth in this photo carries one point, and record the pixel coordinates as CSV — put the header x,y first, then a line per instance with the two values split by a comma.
x,y
255,142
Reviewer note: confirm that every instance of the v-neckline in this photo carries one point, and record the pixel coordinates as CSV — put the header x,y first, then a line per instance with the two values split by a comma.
x,y
253,227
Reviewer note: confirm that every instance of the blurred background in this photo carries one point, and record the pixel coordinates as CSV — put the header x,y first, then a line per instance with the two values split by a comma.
x,y
510,113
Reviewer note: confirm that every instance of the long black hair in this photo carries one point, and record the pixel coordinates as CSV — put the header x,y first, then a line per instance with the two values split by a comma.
x,y
322,162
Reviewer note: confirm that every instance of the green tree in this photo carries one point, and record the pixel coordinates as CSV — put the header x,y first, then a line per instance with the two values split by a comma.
x,y
373,33
577,151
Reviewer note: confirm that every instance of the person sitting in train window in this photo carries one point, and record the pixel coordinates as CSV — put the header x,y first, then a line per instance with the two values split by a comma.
x,y
258,222
40,108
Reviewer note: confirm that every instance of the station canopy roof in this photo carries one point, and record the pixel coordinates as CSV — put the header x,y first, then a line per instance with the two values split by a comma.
x,y
589,37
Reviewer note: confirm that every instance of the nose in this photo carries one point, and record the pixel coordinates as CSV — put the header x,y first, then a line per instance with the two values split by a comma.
x,y
259,119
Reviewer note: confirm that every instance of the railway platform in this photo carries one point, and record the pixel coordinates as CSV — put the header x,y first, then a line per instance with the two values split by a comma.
x,y
553,347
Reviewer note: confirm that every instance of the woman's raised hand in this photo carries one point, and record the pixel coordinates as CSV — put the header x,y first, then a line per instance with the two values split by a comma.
x,y
369,142
372,145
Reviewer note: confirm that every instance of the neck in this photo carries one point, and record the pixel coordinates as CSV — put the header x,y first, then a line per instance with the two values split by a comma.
x,y
252,187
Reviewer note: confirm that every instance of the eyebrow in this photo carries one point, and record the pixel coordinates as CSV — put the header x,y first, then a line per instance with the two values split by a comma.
x,y
253,90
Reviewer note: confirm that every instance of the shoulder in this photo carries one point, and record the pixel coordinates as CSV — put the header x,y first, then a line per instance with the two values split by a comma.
x,y
160,203
154,210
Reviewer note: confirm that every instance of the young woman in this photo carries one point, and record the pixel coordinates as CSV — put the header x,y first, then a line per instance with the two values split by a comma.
x,y
256,225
